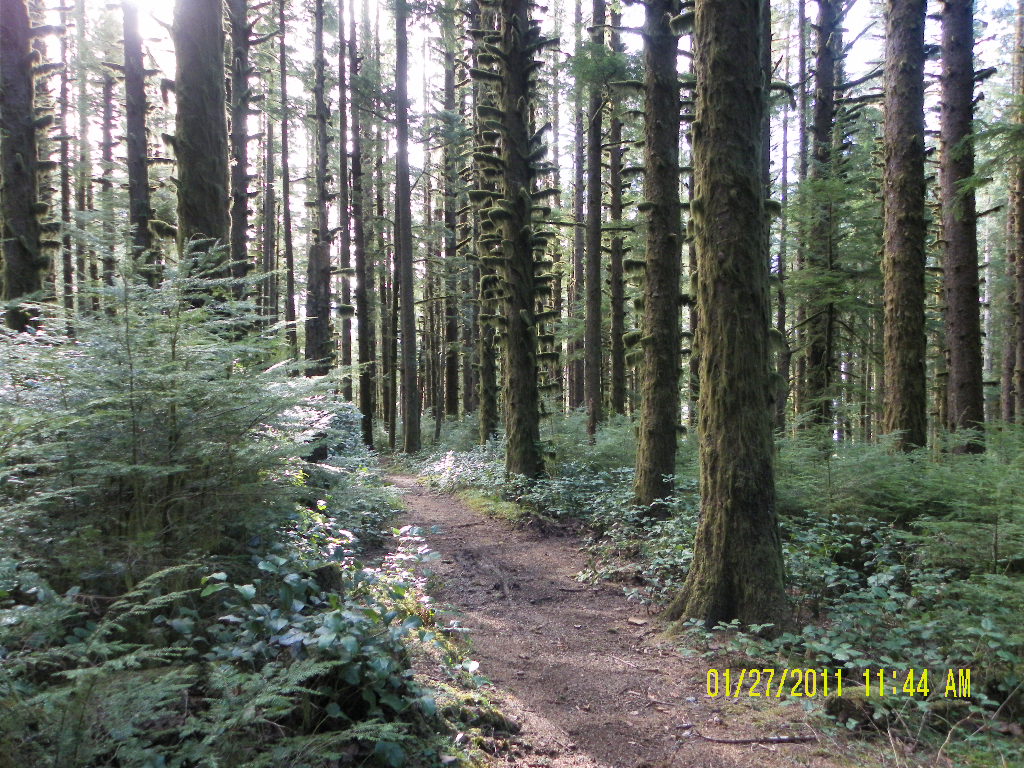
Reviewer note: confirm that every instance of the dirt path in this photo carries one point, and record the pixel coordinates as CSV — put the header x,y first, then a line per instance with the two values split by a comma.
x,y
578,667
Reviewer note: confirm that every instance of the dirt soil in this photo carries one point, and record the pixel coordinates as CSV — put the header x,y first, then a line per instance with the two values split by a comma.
x,y
587,675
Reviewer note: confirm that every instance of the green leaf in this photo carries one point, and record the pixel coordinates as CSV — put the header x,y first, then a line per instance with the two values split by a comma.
x,y
248,591
391,753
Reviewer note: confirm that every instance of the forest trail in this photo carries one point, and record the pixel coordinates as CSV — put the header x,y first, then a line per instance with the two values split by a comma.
x,y
584,672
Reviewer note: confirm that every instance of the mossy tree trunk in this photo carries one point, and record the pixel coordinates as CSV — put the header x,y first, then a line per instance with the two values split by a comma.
x,y
139,208
201,130
959,223
345,308
107,142
364,270
85,265
617,287
403,244
782,367
291,328
577,284
319,351
1016,244
238,15
450,196
66,169
820,323
23,261
737,570
660,337
484,234
592,347
515,249
269,290
903,258
803,155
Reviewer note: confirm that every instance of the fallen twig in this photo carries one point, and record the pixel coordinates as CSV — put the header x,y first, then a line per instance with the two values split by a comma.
x,y
759,740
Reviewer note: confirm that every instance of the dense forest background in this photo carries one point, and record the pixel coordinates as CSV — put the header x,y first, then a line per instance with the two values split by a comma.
x,y
739,287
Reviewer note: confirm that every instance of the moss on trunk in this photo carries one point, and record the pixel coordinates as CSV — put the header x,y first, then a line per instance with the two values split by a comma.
x,y
737,570
23,261
903,258
659,382
201,132
965,396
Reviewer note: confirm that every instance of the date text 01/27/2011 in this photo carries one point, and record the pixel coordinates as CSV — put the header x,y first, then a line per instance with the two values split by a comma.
x,y
770,682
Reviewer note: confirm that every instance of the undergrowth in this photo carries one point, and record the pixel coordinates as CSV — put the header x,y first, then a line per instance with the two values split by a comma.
x,y
197,566
894,561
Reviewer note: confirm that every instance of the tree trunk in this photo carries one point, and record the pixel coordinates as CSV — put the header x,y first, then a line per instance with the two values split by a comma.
x,y
577,286
23,261
557,369
520,391
139,207
319,351
660,341
291,323
107,180
364,271
800,372
403,244
451,178
820,324
785,357
201,133
1016,245
615,277
238,13
83,165
345,309
484,229
592,358
903,257
959,224
269,266
67,254
737,569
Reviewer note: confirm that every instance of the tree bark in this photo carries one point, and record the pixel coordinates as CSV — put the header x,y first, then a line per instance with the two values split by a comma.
x,y
785,356
1016,245
319,351
959,224
615,277
139,208
577,286
903,257
345,309
592,357
107,180
269,266
403,245
23,261
201,133
238,13
484,95
67,254
660,339
291,323
820,370
364,271
737,570
520,390
451,303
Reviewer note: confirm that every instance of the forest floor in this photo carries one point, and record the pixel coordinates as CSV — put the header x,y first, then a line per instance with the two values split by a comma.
x,y
589,677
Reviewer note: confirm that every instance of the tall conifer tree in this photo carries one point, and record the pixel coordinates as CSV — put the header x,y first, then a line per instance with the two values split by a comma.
x,y
737,570
903,258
